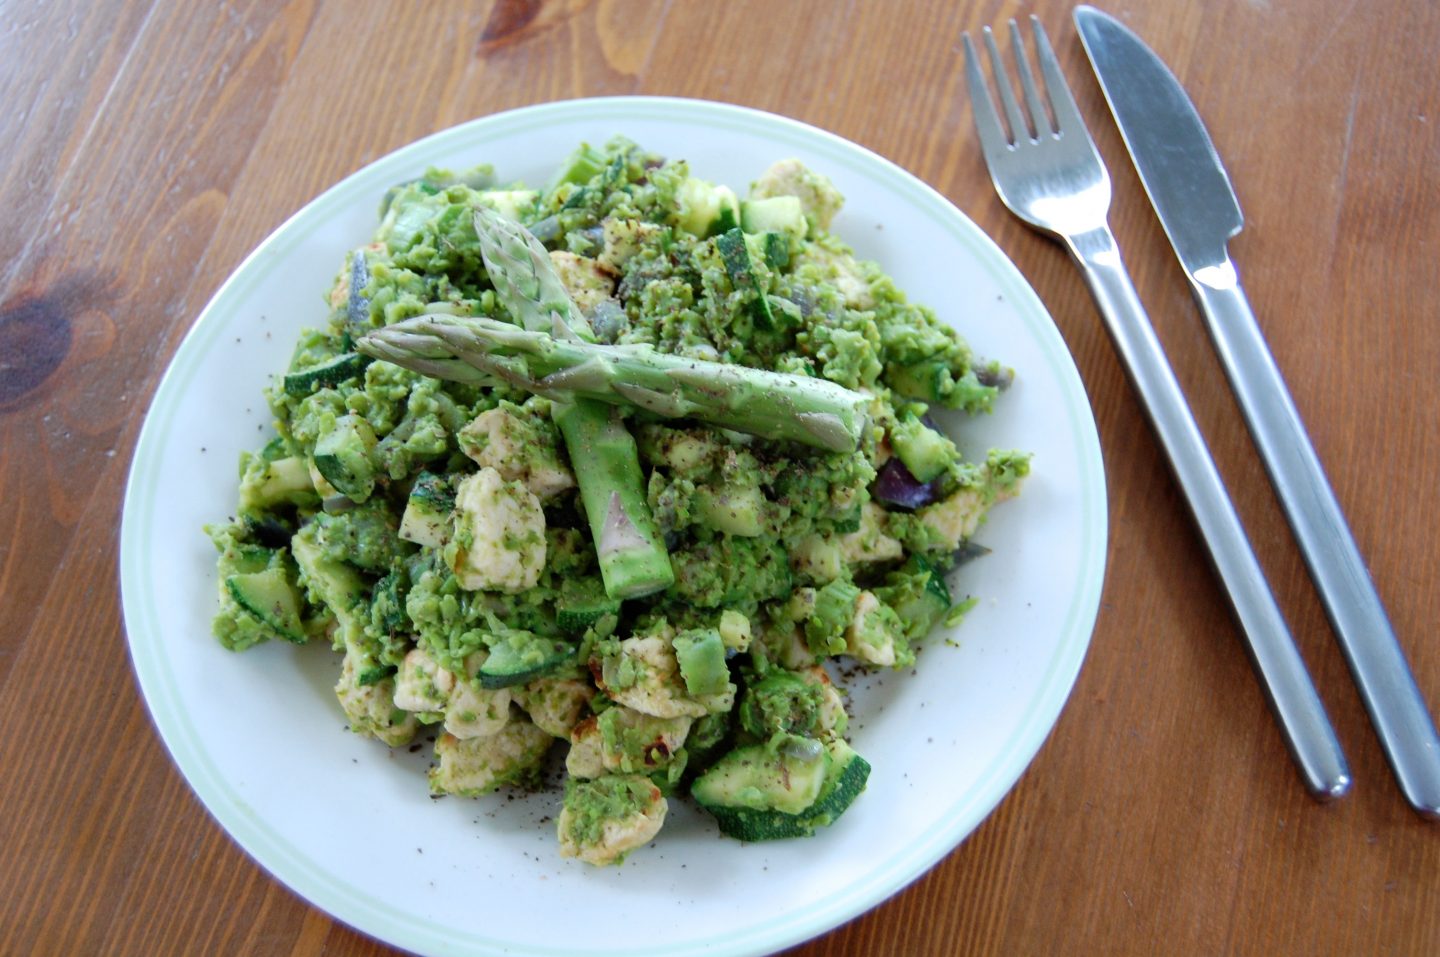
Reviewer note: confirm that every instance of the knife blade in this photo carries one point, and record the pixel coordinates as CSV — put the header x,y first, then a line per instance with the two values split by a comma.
x,y
1192,195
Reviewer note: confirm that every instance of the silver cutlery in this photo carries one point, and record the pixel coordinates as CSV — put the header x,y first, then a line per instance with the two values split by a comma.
x,y
1052,178
1192,195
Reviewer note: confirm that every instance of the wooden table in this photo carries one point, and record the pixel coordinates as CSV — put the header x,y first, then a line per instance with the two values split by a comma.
x,y
149,146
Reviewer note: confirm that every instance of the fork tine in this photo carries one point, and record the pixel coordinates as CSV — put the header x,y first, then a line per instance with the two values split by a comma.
x,y
1019,129
1067,114
1039,119
987,121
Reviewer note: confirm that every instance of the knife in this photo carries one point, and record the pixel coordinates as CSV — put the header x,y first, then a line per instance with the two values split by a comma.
x,y
1191,193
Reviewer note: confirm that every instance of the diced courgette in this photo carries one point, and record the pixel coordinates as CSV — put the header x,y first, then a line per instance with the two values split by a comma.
x,y
583,165
919,595
387,606
258,597
844,781
774,214
834,610
343,456
925,452
921,380
777,250
427,511
267,484
270,596
332,583
739,263
520,657
513,204
331,373
766,792
817,559
785,774
707,209
245,558
735,507
700,653
581,603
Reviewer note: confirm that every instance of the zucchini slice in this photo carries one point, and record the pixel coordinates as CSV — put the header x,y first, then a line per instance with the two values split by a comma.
x,y
329,373
343,456
775,214
751,805
427,511
271,598
740,267
581,603
707,209
520,657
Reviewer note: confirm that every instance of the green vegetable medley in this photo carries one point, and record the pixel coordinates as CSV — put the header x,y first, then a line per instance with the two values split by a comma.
x,y
626,462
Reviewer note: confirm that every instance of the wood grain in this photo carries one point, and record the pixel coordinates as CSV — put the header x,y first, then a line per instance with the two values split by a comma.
x,y
149,146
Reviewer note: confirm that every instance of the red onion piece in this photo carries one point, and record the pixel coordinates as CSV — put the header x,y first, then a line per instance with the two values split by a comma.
x,y
896,486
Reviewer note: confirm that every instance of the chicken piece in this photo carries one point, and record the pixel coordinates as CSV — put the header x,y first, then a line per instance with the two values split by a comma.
x,y
605,819
422,685
520,449
790,177
499,541
370,708
476,712
870,637
869,543
645,676
555,704
470,767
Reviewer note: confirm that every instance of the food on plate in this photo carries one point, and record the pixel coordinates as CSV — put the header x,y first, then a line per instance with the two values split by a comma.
x,y
624,462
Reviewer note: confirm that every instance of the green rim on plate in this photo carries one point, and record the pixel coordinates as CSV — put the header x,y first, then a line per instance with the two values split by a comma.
x,y
350,903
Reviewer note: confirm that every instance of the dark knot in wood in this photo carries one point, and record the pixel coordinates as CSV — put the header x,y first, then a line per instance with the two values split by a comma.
x,y
508,19
35,335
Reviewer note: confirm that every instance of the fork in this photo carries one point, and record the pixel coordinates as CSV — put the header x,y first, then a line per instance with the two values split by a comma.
x,y
1050,175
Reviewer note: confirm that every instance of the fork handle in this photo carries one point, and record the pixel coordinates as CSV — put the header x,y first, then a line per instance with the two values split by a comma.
x,y
1283,677
1377,662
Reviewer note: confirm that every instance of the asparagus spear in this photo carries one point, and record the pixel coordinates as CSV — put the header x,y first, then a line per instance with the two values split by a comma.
x,y
525,279
774,405
633,558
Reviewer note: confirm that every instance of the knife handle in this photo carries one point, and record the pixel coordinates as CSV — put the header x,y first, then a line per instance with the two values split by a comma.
x,y
1277,661
1377,662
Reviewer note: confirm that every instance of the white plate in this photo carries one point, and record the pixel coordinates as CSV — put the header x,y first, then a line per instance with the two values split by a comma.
x,y
350,826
